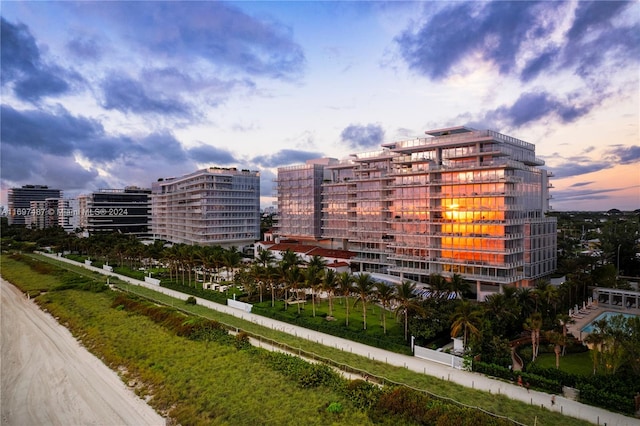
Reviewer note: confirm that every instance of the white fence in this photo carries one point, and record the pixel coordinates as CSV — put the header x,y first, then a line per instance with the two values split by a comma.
x,y
150,280
239,305
440,357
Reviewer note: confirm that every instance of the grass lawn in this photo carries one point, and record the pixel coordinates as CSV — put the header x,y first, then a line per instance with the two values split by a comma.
x,y
375,329
578,363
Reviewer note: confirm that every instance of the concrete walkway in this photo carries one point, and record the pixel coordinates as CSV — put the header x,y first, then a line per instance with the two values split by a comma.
x,y
469,379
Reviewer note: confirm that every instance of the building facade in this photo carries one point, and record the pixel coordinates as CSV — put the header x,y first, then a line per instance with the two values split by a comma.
x,y
214,206
127,211
19,202
299,194
459,201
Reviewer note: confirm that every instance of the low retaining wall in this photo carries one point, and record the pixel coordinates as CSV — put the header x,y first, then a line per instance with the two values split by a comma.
x,y
239,305
440,357
153,281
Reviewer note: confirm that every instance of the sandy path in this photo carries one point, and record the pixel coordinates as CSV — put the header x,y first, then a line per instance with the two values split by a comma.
x,y
48,378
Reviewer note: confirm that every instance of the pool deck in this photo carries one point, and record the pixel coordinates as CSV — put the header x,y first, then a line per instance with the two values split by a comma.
x,y
585,316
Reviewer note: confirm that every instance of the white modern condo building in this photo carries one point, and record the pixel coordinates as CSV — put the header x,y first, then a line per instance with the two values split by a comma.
x,y
213,206
458,201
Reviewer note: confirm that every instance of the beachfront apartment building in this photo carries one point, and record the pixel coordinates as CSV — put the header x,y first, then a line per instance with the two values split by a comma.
x,y
127,211
213,206
458,201
19,203
299,195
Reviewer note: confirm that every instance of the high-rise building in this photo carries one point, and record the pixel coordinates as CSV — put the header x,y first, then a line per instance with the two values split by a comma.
x,y
299,192
214,206
127,211
53,212
459,201
19,201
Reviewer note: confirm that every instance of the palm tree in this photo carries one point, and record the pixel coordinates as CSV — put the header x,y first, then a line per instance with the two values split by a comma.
x,y
329,283
294,278
364,288
533,324
458,285
265,257
385,294
438,285
558,341
313,278
407,303
503,312
231,259
317,261
345,285
563,320
466,319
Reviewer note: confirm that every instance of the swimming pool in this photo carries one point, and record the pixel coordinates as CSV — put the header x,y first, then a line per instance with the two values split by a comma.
x,y
605,315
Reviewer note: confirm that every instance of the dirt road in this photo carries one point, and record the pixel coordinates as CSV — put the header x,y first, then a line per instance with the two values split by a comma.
x,y
48,378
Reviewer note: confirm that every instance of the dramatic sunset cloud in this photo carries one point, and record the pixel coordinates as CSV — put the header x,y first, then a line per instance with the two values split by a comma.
x,y
109,94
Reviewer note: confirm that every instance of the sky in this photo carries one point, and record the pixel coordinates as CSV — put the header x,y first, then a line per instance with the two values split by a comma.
x,y
112,94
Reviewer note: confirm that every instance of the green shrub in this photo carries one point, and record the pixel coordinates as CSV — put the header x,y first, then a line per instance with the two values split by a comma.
x,y
335,408
191,300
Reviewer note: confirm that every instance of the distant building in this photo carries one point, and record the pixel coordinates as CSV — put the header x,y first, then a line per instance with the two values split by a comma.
x,y
459,201
19,202
214,206
299,192
127,211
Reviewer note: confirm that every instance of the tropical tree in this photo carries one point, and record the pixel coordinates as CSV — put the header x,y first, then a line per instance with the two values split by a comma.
x,y
438,285
294,279
502,311
558,340
345,286
564,320
533,324
385,294
458,285
363,288
231,259
313,278
329,283
265,257
407,301
466,319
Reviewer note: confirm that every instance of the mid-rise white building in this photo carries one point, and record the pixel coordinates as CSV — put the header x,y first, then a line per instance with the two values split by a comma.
x,y
214,206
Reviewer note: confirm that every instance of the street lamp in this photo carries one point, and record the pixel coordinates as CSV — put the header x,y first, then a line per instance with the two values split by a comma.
x,y
618,267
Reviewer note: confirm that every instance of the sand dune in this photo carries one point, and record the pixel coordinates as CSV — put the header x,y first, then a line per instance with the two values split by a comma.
x,y
48,378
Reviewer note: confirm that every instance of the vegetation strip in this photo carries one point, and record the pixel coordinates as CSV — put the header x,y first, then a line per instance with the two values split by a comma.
x,y
533,412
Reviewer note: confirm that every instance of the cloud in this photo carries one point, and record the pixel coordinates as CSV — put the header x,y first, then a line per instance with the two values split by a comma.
x,y
625,154
523,39
44,145
285,157
22,65
588,194
496,30
363,137
532,107
569,169
578,184
127,95
86,48
22,164
211,154
215,32
58,133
